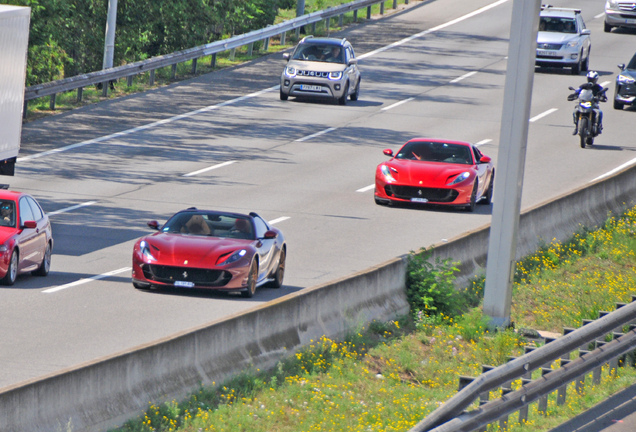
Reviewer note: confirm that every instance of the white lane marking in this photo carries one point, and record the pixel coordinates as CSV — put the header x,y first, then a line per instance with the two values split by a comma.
x,y
316,134
193,173
604,83
280,219
543,114
71,208
434,29
615,170
87,280
482,142
599,15
148,126
397,104
366,188
469,74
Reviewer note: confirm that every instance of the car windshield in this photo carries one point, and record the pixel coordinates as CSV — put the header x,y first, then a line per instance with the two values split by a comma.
x,y
208,224
632,64
557,25
436,152
7,213
319,52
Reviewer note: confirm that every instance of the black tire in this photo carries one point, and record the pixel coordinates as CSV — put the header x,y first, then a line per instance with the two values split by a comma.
x,y
283,96
606,27
343,99
576,69
356,94
12,271
589,140
583,131
618,105
280,271
251,281
488,197
44,268
473,198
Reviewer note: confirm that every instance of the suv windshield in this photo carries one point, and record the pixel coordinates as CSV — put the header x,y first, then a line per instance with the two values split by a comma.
x,y
319,52
436,152
557,25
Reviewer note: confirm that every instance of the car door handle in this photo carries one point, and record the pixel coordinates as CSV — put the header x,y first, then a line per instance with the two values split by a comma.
x,y
37,230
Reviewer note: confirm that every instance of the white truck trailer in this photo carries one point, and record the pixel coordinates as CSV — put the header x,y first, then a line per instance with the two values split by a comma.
x,y
14,42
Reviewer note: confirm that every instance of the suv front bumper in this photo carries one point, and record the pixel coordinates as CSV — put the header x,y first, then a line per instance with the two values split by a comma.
x,y
620,18
308,87
563,57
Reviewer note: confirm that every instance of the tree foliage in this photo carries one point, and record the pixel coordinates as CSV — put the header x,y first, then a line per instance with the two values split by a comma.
x,y
67,36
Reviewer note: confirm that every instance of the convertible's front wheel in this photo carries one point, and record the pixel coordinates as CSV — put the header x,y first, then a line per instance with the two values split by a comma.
x,y
251,281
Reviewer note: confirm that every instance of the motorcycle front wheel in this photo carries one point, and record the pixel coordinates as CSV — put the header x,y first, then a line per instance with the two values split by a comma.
x,y
583,131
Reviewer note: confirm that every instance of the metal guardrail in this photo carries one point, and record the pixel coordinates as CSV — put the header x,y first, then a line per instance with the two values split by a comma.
x,y
451,417
129,70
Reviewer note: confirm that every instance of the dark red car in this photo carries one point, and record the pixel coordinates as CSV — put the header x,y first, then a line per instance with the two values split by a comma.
x,y
26,238
432,171
212,250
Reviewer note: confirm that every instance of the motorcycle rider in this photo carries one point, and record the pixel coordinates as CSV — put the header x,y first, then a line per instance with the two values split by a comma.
x,y
597,91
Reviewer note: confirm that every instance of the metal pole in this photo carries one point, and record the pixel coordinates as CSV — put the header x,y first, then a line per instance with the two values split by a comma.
x,y
502,244
300,11
109,44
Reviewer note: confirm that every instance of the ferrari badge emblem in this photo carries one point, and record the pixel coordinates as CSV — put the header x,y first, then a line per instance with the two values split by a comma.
x,y
419,192
185,274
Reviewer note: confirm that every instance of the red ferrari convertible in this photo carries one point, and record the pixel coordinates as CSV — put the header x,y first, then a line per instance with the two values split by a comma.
x,y
431,171
26,239
213,250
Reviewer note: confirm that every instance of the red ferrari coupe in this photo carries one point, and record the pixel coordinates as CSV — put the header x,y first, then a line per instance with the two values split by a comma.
x,y
432,171
26,239
213,250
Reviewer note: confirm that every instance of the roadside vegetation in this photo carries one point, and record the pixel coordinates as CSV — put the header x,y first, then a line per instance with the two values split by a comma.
x,y
53,55
388,376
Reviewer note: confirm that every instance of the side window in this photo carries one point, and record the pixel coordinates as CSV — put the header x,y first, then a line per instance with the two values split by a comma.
x,y
35,208
353,54
347,55
581,23
477,154
261,227
25,211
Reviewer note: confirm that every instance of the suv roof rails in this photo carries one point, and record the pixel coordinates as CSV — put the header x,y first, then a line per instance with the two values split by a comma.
x,y
306,37
550,7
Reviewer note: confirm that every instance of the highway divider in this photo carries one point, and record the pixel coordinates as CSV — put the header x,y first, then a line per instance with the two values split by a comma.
x,y
108,391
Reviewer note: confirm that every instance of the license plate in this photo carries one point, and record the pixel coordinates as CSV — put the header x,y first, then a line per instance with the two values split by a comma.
x,y
547,53
306,87
419,200
184,284
630,21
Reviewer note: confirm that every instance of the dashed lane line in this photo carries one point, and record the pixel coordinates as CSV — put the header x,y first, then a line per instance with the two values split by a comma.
x,y
87,280
209,168
397,104
71,208
543,114
317,134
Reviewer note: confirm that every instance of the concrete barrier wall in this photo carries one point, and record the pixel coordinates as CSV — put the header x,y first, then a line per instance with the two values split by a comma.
x,y
107,392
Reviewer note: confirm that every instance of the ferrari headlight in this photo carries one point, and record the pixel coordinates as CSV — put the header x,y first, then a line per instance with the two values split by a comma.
x,y
386,172
572,44
144,248
586,104
232,258
624,79
290,71
460,178
335,75
3,248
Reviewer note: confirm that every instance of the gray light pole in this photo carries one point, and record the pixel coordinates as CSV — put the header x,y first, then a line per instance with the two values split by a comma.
x,y
109,44
502,244
300,11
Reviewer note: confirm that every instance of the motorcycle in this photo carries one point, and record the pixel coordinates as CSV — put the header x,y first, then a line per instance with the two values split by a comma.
x,y
586,113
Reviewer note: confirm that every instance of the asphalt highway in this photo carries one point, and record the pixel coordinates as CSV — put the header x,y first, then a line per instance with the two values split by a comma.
x,y
225,141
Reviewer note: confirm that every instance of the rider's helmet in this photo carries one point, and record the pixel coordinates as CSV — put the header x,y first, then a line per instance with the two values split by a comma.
x,y
592,77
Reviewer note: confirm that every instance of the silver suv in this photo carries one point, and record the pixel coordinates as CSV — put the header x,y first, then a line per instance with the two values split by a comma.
x,y
321,67
619,13
563,40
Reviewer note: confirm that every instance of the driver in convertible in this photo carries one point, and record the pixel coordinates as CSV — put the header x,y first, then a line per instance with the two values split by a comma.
x,y
597,91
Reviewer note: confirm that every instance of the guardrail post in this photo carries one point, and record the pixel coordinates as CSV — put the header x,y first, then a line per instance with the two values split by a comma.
x,y
406,2
394,4
250,49
328,25
483,428
485,396
297,32
382,8
313,28
213,60
503,421
585,346
282,38
194,66
340,20
173,75
233,54
52,102
152,77
523,411
596,373
562,391
368,12
613,364
580,382
543,400
355,15
266,44
129,80
80,93
105,89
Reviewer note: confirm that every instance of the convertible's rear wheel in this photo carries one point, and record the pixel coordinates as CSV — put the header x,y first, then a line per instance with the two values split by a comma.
x,y
12,271
251,281
280,271
44,268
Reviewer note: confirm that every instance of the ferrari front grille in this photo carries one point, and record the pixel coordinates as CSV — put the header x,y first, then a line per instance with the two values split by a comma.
x,y
200,277
431,194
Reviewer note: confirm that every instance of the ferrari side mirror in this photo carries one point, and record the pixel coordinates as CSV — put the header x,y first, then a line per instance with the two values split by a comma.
x,y
388,152
154,225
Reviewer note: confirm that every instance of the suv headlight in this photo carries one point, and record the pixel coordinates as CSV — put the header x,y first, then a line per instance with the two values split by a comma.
x,y
612,4
335,75
290,72
624,79
460,178
386,172
572,44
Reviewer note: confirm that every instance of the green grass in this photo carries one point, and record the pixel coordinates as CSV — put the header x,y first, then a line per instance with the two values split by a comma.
x,y
41,107
389,376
